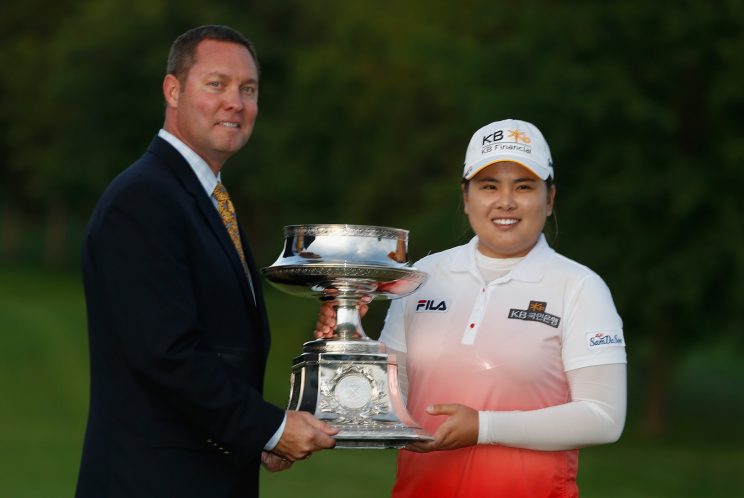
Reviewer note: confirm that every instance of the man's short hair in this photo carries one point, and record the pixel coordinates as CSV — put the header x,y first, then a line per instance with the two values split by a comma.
x,y
182,54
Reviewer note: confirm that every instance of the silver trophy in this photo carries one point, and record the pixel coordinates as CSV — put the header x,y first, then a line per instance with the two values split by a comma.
x,y
349,381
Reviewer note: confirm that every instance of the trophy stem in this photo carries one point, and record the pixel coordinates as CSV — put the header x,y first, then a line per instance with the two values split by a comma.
x,y
348,321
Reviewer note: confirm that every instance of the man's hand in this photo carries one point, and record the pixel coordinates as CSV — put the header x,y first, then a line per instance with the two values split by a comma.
x,y
459,430
273,462
303,435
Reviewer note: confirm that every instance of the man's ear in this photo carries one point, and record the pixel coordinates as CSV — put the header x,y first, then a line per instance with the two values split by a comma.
x,y
171,90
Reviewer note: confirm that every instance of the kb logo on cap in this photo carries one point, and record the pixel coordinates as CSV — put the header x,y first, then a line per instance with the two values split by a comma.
x,y
519,135
497,136
493,137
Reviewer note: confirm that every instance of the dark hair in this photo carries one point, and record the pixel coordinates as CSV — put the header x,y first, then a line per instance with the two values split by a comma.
x,y
551,233
182,54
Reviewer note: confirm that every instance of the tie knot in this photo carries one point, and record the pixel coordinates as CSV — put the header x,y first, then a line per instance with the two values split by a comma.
x,y
220,193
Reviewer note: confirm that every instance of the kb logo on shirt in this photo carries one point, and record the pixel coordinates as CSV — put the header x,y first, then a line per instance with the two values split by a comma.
x,y
535,312
429,305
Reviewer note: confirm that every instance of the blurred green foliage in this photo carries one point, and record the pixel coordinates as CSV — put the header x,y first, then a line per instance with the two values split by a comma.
x,y
366,109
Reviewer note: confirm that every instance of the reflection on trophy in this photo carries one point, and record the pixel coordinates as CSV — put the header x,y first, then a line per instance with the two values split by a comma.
x,y
349,381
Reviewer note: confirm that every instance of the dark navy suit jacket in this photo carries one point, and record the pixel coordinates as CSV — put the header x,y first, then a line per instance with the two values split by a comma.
x,y
177,345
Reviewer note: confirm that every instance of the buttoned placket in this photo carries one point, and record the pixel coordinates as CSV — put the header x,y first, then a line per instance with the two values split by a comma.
x,y
480,306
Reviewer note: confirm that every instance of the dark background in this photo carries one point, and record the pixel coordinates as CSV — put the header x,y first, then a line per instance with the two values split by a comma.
x,y
366,108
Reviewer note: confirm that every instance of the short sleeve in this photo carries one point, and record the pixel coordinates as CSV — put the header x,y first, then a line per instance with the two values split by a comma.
x,y
593,330
393,333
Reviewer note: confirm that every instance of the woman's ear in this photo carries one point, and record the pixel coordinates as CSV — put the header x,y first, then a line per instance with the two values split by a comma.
x,y
464,188
551,199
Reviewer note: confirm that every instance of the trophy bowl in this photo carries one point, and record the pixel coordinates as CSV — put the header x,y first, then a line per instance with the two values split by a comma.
x,y
349,380
345,264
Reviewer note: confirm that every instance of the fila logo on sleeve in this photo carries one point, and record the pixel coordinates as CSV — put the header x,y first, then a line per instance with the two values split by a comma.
x,y
425,305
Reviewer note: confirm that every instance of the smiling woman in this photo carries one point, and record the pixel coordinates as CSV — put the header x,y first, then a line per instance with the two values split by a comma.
x,y
507,205
506,371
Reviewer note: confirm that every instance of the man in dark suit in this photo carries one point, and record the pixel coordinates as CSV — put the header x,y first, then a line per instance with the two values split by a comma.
x,y
178,331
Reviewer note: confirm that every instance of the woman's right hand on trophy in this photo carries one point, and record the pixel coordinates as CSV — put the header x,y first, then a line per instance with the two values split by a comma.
x,y
326,323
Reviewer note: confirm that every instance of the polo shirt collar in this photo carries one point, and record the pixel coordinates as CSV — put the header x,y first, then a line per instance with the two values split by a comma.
x,y
530,269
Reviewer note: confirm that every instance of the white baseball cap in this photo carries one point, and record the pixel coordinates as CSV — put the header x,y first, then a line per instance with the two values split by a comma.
x,y
508,140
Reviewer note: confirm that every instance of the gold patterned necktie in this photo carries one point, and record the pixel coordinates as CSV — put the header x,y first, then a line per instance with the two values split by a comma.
x,y
227,213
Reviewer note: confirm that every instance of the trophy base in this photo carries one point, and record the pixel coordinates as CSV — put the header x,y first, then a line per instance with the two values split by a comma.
x,y
353,386
363,438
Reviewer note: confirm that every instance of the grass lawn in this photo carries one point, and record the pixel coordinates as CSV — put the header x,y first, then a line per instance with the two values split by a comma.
x,y
44,384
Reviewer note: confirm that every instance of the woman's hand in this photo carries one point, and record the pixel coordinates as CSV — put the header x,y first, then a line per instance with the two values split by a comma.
x,y
327,319
459,430
326,322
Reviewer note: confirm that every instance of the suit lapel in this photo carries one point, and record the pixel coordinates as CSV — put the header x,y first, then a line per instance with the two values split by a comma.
x,y
260,303
178,165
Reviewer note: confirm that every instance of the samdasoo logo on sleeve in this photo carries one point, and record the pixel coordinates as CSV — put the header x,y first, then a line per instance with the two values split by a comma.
x,y
597,340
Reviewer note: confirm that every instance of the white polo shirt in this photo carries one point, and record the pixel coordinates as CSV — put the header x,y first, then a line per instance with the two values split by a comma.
x,y
501,346
549,306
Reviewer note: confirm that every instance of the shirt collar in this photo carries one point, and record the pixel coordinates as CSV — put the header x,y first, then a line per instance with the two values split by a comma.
x,y
201,169
530,269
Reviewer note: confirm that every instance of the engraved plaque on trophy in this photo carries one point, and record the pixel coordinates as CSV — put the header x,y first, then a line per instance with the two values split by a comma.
x,y
349,380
